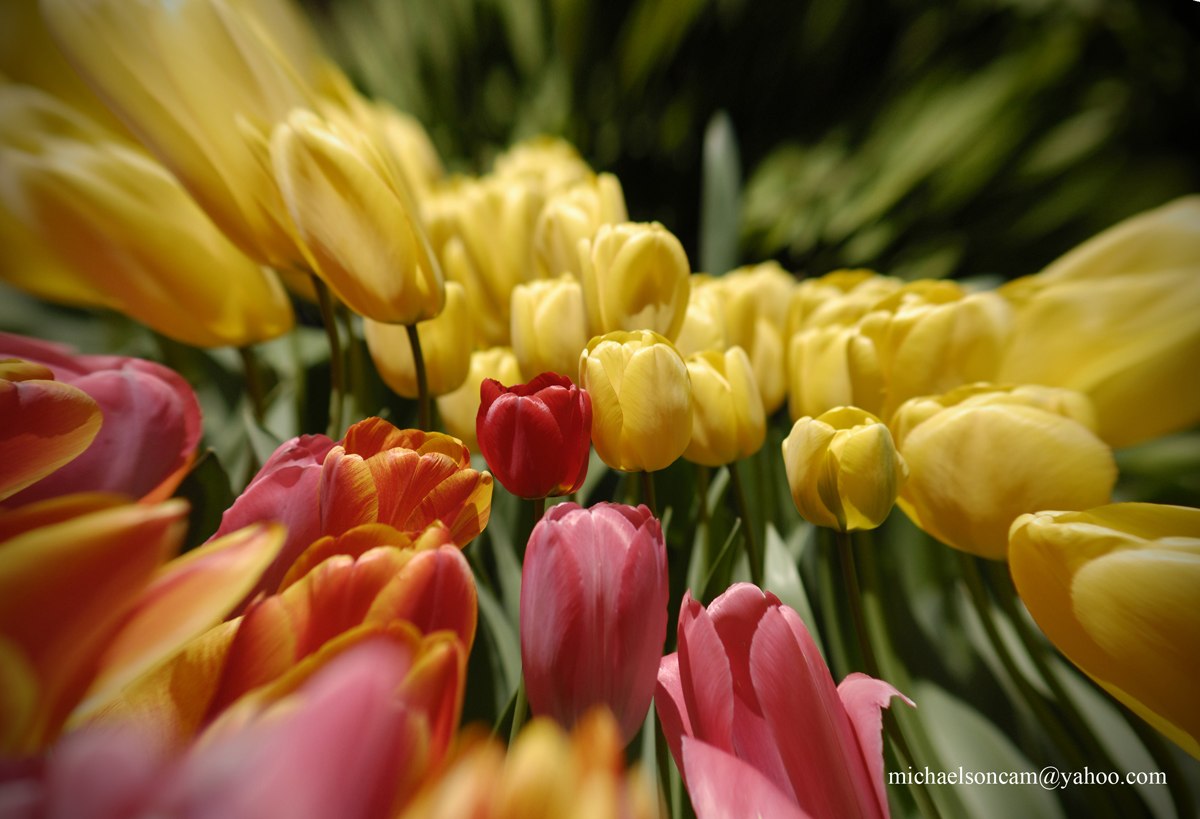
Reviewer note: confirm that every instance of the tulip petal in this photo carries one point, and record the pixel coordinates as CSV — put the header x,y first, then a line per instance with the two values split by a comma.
x,y
355,542
722,786
434,591
671,707
43,426
707,678
864,699
190,595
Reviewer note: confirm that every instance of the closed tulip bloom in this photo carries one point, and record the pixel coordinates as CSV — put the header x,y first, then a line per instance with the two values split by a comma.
x,y
641,400
1114,588
728,422
572,215
445,348
704,322
102,202
550,164
832,366
754,720
593,612
843,469
838,298
981,456
549,328
755,302
535,437
635,277
207,127
1115,318
458,409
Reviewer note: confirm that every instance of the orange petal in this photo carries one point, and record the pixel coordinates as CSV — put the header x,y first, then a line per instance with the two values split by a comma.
x,y
348,496
434,591
354,542
43,425
79,577
375,435
190,595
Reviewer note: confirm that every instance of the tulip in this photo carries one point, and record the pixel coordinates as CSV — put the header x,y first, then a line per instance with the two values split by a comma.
x,y
446,350
151,425
207,127
755,302
546,773
635,277
832,366
572,215
593,612
550,164
843,469
348,740
641,400
100,200
748,701
548,326
704,322
403,478
1113,589
359,233
459,409
44,424
728,422
838,298
535,437
981,456
1115,318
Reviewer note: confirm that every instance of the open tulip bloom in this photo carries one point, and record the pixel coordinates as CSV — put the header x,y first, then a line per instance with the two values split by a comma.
x,y
258,576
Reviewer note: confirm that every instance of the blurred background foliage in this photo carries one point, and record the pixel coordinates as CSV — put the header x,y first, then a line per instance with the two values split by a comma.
x,y
976,137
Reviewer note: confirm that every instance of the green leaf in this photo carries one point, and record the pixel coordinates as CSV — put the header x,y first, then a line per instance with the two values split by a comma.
x,y
720,197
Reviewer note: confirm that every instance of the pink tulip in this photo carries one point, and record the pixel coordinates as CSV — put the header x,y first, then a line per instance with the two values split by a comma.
x,y
593,612
754,720
151,424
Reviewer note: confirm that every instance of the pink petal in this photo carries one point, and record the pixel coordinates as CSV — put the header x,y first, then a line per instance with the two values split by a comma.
x,y
724,787
707,681
101,773
864,699
669,704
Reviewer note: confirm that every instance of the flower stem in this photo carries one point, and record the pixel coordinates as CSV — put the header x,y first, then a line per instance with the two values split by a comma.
x,y
648,492
423,398
519,709
845,556
337,378
252,375
754,555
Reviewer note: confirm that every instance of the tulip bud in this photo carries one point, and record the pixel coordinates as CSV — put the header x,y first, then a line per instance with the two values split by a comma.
x,y
635,276
641,400
1115,318
358,233
838,298
832,366
444,347
755,306
843,469
1113,588
572,215
458,409
728,422
549,164
535,437
980,456
594,612
704,322
548,326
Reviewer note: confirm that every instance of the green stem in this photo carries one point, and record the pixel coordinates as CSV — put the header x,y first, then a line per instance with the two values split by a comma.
x,y
424,408
539,509
337,378
252,375
706,544
754,554
845,556
519,709
648,492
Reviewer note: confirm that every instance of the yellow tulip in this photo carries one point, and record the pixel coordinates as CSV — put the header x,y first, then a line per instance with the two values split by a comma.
x,y
704,322
572,215
1115,318
635,277
832,366
548,324
838,298
208,127
548,164
458,409
119,232
1114,588
980,456
445,348
755,301
358,233
728,422
641,399
843,469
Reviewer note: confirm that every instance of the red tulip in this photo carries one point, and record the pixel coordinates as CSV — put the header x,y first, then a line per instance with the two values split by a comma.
x,y
754,720
536,436
593,612
150,430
